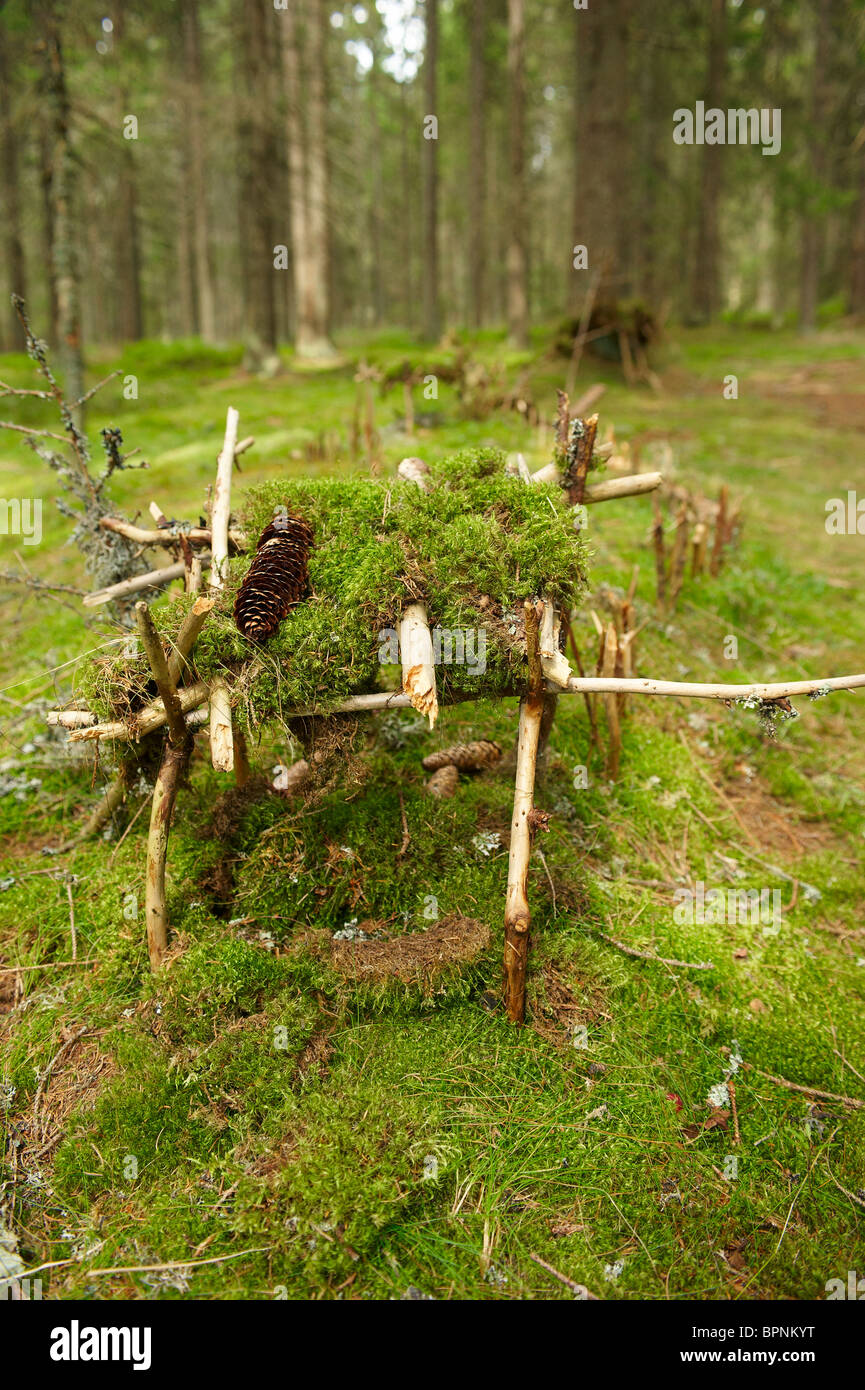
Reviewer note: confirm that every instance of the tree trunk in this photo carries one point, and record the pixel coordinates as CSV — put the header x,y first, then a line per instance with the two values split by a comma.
x,y
431,296
205,299
706,291
517,258
603,142
857,249
126,248
13,245
304,53
65,271
477,160
812,229
256,158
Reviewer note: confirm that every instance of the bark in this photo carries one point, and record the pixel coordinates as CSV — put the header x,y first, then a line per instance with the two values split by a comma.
x,y
13,245
205,311
431,296
706,292
517,256
303,53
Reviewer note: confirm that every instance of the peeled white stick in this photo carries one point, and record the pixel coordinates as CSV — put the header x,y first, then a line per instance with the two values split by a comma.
x,y
222,502
554,663
418,665
634,485
221,737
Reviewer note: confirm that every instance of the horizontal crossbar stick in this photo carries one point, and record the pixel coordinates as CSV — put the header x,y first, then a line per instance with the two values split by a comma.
x,y
153,716
196,535
634,485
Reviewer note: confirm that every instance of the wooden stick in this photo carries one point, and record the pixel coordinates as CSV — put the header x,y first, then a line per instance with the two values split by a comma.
x,y
680,554
166,686
185,639
698,548
517,914
634,485
70,718
720,534
145,720
153,716
242,772
196,535
418,668
221,740
174,760
614,748
153,579
222,501
660,557
554,663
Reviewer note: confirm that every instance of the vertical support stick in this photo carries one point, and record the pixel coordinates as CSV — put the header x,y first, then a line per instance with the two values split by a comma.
x,y
517,914
174,760
418,664
222,502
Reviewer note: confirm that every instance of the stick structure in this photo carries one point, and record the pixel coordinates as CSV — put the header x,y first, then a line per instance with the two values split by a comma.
x,y
151,580
166,686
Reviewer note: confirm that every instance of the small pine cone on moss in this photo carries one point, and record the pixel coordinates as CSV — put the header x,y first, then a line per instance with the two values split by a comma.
x,y
277,578
468,757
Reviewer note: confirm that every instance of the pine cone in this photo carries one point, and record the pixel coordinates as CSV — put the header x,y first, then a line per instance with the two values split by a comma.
x,y
277,578
468,757
443,783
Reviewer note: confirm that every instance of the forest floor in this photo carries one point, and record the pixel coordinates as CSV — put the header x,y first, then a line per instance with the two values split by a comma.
x,y
262,1120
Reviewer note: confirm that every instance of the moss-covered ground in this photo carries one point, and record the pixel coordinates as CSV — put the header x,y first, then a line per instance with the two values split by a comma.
x,y
263,1124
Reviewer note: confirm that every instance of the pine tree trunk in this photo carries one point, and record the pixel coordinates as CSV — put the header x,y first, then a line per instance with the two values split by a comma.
x,y
13,245
477,160
205,299
304,55
65,265
603,142
127,248
706,291
812,228
857,249
517,258
430,269
256,157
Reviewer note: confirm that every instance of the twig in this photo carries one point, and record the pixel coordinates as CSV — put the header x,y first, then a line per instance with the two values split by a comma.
x,y
73,933
222,501
659,960
196,535
579,1289
176,1264
805,1090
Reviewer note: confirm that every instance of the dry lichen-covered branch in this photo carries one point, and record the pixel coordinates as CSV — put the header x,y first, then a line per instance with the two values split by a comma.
x,y
196,535
153,579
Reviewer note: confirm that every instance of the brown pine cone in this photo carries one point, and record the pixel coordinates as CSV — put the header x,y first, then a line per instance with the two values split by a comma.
x,y
277,578
468,757
443,783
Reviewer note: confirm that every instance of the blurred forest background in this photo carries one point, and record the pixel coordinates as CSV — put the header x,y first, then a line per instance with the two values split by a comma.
x,y
240,171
